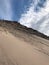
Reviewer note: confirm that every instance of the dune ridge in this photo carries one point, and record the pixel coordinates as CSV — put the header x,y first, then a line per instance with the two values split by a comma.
x,y
17,26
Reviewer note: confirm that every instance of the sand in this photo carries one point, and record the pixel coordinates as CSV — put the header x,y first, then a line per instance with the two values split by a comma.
x,y
14,51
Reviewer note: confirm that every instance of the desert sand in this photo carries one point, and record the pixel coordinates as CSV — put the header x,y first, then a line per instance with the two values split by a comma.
x,y
14,51
22,49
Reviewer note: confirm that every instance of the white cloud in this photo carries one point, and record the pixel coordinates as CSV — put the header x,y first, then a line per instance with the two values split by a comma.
x,y
31,18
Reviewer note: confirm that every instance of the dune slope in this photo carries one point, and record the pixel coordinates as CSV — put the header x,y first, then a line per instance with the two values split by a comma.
x,y
20,47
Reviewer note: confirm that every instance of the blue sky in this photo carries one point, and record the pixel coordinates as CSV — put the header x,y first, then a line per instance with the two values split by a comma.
x,y
31,13
12,9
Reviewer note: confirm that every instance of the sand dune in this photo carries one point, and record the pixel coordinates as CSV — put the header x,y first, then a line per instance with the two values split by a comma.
x,y
14,51
22,48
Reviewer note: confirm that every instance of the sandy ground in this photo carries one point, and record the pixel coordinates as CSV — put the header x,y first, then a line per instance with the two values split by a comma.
x,y
14,51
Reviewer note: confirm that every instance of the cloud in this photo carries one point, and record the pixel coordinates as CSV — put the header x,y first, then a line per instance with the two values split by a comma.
x,y
37,20
5,10
31,13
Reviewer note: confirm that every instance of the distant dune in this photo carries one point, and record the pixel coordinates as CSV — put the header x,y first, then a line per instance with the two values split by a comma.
x,y
20,45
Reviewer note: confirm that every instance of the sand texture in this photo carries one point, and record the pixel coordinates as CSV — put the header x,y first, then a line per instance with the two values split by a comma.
x,y
20,46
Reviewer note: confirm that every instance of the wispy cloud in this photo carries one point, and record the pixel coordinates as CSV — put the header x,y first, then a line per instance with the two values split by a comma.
x,y
5,9
37,20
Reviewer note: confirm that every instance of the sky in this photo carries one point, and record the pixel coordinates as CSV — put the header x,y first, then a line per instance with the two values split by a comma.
x,y
31,13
